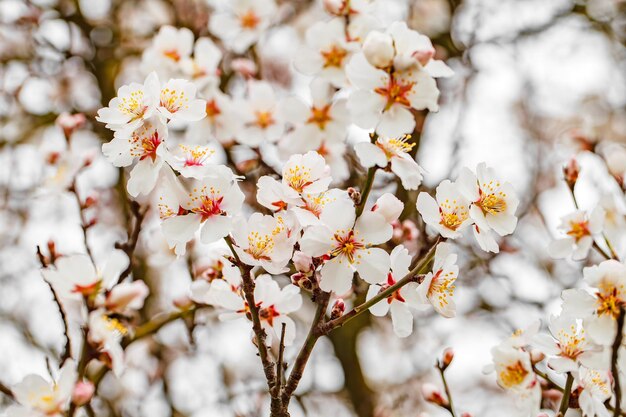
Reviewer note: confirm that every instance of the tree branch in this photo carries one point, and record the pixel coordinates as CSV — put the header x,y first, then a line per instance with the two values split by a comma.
x,y
133,238
614,358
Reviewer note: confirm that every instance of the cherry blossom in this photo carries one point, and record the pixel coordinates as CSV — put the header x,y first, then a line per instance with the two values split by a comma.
x,y
106,333
203,69
221,117
400,301
595,391
394,151
220,276
177,101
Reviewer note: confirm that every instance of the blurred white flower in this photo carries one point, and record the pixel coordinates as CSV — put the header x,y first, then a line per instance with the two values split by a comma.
x,y
580,228
243,22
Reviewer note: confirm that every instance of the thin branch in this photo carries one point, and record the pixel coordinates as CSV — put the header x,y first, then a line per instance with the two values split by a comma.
x,y
420,268
6,391
614,358
84,225
450,406
322,299
280,363
133,238
365,192
67,350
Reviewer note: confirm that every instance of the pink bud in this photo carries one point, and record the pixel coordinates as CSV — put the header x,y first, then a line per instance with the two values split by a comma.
x,y
536,356
83,391
70,122
448,355
126,296
432,394
466,414
302,262
338,309
244,66
183,302
424,56
570,172
543,415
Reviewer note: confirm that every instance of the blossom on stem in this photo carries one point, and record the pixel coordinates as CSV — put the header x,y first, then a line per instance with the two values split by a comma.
x,y
208,204
437,289
259,113
448,213
594,391
580,228
394,152
399,302
242,22
169,48
37,397
105,334
348,245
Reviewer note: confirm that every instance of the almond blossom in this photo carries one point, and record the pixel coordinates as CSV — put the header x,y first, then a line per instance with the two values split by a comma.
x,y
218,276
580,228
448,214
274,305
328,50
385,95
568,345
265,241
437,288
242,22
145,144
493,204
348,243
394,151
75,276
515,374
105,334
37,397
208,205
170,47
203,69
222,119
400,301
259,113
600,307
133,104
595,390
324,120
177,101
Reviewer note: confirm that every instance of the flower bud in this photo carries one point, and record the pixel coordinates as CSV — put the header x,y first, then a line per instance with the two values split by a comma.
x,y
183,302
536,356
354,195
244,66
83,392
338,309
126,296
466,414
336,7
446,359
378,49
302,262
570,173
389,207
70,123
89,202
432,394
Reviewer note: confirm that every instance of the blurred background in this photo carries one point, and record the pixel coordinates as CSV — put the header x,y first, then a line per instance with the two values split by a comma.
x,y
536,83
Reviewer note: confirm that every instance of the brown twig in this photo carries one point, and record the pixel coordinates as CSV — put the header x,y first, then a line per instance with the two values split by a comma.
x,y
67,350
84,225
450,405
6,391
280,362
133,237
